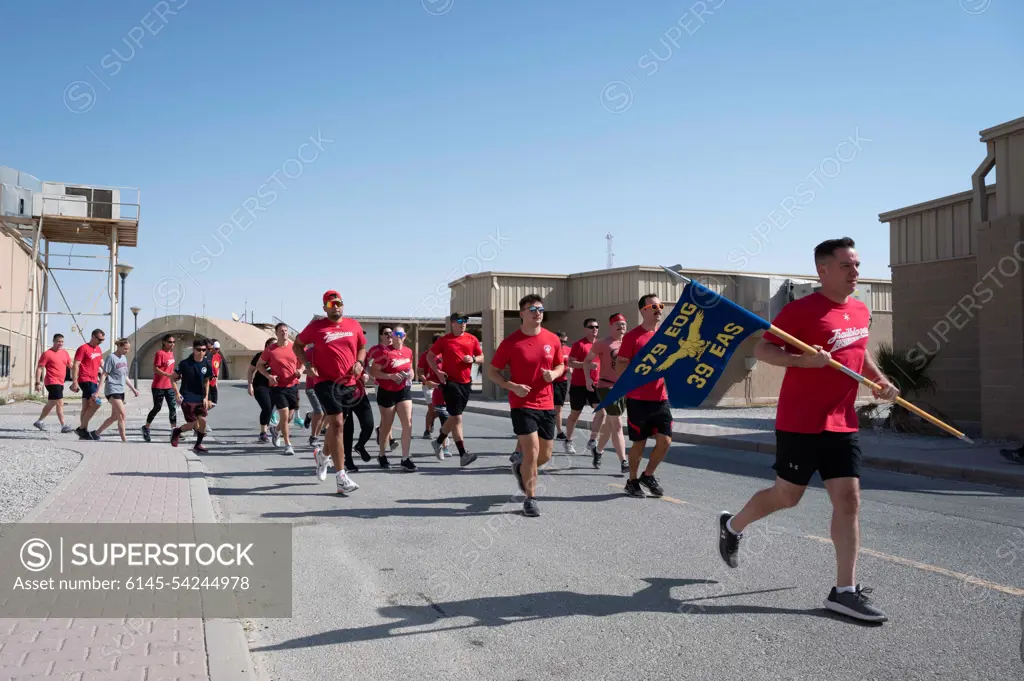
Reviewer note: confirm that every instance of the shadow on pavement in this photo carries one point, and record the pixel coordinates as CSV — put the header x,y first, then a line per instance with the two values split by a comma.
x,y
496,611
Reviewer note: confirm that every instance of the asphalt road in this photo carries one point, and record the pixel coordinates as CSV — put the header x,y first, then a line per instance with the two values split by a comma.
x,y
437,575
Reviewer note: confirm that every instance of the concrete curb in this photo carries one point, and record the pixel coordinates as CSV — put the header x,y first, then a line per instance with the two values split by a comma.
x,y
227,650
1010,478
32,515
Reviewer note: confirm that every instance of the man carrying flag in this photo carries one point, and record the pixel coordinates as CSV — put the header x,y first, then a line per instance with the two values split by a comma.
x,y
816,423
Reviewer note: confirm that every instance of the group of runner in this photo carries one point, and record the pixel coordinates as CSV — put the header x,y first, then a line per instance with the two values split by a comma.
x,y
816,426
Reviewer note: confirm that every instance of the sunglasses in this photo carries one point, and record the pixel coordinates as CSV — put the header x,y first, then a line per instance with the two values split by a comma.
x,y
461,320
337,302
200,349
653,306
399,334
535,308
592,326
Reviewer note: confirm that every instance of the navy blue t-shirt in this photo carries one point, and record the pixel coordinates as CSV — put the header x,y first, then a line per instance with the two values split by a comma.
x,y
193,375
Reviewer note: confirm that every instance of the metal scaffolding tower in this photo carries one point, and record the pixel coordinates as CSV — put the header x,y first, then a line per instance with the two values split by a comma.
x,y
37,214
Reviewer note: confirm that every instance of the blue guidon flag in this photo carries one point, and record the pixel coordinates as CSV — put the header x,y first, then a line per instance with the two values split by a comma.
x,y
691,348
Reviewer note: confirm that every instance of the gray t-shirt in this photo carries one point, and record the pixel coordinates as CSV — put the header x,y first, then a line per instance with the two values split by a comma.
x,y
116,369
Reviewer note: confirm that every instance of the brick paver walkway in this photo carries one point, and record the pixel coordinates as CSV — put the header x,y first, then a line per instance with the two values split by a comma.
x,y
115,483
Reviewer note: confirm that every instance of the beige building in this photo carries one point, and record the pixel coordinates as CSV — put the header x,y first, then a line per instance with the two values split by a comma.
x,y
569,299
958,291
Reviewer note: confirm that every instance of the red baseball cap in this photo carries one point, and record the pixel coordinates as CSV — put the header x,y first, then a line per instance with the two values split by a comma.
x,y
331,294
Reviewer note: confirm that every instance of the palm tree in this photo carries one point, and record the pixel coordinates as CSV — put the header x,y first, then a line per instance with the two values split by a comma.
x,y
910,371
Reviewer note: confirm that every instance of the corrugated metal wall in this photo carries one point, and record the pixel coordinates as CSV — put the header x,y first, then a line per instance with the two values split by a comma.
x,y
471,296
881,297
598,289
512,289
937,233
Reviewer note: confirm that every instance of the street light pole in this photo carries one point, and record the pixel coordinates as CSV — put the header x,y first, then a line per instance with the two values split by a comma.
x,y
123,269
135,338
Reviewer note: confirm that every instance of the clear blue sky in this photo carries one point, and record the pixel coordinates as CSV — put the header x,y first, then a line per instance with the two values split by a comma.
x,y
452,119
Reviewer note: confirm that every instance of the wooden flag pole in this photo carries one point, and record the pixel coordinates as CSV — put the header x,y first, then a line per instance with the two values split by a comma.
x,y
797,343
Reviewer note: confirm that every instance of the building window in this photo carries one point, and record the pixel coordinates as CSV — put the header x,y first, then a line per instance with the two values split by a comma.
x,y
5,361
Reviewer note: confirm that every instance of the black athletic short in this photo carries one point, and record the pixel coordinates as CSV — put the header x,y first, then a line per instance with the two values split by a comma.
x,y
89,389
213,394
116,396
647,418
540,421
561,390
55,392
456,396
284,398
335,398
580,397
833,455
389,398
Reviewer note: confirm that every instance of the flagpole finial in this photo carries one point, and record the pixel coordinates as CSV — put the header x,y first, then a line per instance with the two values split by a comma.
x,y
675,273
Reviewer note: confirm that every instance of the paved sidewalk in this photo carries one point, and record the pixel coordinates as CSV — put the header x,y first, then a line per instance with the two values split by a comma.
x,y
162,485
752,430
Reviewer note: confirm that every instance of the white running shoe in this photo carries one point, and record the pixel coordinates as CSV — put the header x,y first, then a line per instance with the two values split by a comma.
x,y
440,451
40,426
345,484
275,437
289,451
570,448
321,463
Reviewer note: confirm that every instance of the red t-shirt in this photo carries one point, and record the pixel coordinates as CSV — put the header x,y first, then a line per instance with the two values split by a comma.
x,y
437,397
164,361
452,349
566,349
393,361
283,363
335,347
424,366
90,357
580,350
814,400
311,380
56,363
632,344
527,357
215,362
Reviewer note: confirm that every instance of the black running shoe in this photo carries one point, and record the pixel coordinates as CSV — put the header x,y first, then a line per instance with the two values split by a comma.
x,y
633,488
530,508
307,421
855,604
624,467
408,465
363,454
427,434
561,436
383,462
597,457
1014,455
146,434
82,433
94,435
394,445
651,483
263,439
728,543
350,466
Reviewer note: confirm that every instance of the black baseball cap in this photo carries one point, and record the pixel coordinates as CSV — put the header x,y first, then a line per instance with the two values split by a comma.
x,y
458,315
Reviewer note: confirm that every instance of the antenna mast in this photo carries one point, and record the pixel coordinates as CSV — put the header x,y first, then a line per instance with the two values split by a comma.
x,y
611,255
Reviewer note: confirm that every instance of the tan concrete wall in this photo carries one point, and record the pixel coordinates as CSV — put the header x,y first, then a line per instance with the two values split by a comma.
x,y
1001,341
15,328
926,316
